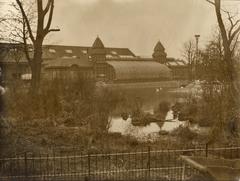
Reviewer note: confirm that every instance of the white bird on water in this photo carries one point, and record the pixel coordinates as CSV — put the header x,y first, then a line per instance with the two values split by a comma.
x,y
158,89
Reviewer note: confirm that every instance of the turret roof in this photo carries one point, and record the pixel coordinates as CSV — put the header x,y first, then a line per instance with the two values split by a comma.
x,y
159,47
98,43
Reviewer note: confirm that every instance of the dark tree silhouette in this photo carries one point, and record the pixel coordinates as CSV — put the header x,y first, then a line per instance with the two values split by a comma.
x,y
44,20
230,37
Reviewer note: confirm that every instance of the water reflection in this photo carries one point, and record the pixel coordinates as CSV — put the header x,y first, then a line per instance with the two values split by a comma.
x,y
150,97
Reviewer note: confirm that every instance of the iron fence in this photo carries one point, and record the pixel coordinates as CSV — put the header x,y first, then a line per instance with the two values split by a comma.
x,y
146,164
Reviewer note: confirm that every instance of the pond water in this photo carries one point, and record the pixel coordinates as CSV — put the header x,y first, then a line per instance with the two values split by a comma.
x,y
150,97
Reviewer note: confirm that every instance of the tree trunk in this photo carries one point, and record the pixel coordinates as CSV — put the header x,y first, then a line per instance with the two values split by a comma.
x,y
36,66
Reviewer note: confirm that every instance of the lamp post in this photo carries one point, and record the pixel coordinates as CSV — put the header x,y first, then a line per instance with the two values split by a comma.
x,y
196,57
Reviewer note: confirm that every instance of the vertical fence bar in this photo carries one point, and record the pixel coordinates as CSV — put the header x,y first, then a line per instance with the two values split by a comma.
x,y
47,171
54,165
25,165
33,164
149,162
98,175
68,167
61,164
75,164
206,150
168,160
89,166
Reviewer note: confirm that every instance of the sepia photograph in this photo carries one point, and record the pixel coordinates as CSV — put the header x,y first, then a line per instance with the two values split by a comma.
x,y
119,90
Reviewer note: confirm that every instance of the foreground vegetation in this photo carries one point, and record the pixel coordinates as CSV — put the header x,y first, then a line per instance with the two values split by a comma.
x,y
75,114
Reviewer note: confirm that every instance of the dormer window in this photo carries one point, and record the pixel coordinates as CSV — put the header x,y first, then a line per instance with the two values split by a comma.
x,y
84,51
126,56
69,51
109,56
52,50
114,53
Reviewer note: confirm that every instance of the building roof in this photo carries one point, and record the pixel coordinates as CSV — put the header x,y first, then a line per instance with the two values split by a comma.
x,y
61,51
125,70
68,63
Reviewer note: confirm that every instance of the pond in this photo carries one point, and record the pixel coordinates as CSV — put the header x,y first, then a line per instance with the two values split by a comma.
x,y
150,98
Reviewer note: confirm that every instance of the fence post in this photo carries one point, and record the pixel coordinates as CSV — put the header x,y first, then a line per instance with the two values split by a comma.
x,y
149,162
25,165
206,150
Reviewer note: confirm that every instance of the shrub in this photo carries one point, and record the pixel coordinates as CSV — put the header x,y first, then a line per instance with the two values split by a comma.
x,y
184,134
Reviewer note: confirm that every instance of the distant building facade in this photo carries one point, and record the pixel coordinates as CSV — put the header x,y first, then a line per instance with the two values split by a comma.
x,y
97,63
13,63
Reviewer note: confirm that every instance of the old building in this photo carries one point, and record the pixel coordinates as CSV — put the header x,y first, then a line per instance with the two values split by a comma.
x,y
112,65
96,62
180,69
13,63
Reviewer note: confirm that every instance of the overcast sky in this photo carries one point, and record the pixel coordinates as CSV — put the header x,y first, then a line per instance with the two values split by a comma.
x,y
136,24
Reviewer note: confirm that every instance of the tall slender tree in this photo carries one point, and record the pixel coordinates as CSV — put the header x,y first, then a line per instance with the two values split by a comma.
x,y
43,28
189,54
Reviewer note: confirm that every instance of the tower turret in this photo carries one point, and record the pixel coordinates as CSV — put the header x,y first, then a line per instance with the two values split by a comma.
x,y
98,52
159,53
98,56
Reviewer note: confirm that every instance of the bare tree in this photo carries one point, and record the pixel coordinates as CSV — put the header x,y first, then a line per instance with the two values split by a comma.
x,y
212,58
15,32
229,41
189,52
2,20
229,98
15,26
43,28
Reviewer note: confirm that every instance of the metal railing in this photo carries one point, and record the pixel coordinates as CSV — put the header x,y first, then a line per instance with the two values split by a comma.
x,y
143,165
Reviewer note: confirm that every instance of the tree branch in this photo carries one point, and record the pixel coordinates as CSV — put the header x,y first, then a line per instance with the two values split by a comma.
x,y
211,2
26,20
47,28
235,43
53,30
234,34
221,24
47,8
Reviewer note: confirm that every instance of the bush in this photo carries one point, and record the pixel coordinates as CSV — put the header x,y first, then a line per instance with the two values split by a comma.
x,y
184,134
